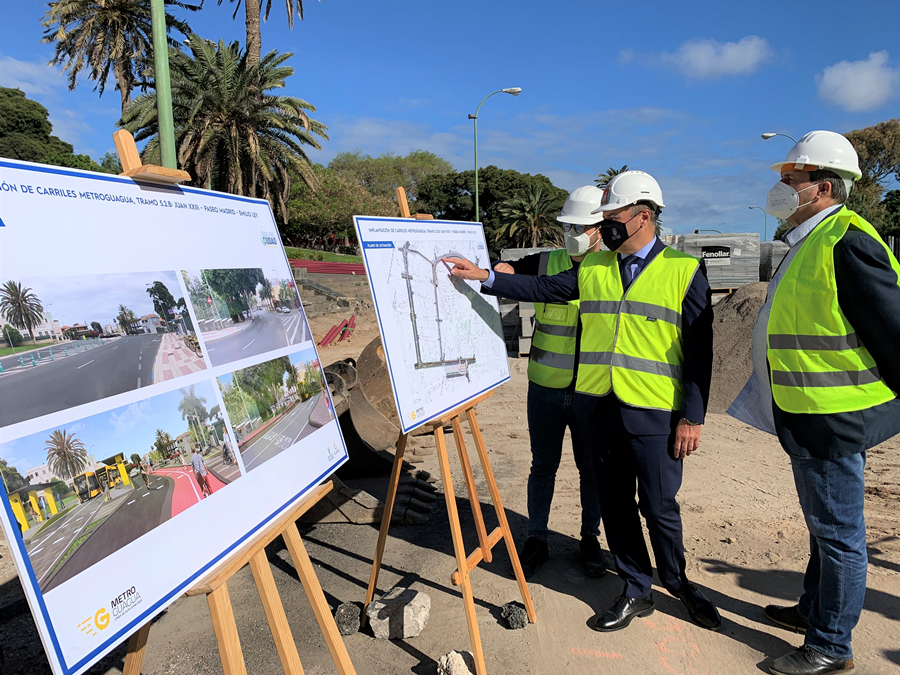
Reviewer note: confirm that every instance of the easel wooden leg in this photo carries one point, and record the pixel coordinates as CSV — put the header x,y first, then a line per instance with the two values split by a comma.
x,y
501,514
320,608
385,524
471,489
281,631
137,645
459,549
226,632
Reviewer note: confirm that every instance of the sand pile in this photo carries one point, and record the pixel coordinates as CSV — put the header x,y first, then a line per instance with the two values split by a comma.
x,y
733,325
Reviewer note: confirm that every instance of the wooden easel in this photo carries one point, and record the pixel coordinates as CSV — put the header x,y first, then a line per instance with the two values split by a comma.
x,y
216,590
486,542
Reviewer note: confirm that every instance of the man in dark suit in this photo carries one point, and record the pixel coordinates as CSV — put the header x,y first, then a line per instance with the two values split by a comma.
x,y
644,369
826,377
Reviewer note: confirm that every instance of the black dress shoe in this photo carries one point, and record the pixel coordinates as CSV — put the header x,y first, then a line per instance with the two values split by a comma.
x,y
787,617
592,557
622,612
702,611
534,554
807,661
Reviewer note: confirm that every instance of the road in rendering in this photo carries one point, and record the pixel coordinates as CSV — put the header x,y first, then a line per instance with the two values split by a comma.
x,y
281,435
83,376
267,331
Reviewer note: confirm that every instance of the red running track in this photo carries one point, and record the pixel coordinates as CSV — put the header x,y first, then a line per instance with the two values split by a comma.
x,y
187,491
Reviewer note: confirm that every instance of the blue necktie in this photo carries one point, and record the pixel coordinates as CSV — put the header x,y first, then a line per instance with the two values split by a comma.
x,y
627,262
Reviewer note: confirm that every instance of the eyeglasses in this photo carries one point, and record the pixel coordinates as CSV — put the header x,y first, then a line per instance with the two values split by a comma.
x,y
579,229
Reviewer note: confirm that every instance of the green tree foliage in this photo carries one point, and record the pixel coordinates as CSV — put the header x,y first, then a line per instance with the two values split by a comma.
x,y
25,129
59,488
163,443
323,218
106,38
136,458
382,175
234,286
96,326
891,206
11,336
529,218
12,479
602,180
66,454
70,161
264,383
163,300
22,308
110,163
231,132
781,230
451,196
125,319
878,148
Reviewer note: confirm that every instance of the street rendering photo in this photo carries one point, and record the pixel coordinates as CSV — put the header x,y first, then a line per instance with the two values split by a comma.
x,y
100,483
67,341
275,404
245,312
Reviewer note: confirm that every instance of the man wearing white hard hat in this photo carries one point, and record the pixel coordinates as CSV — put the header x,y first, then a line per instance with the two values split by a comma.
x,y
825,379
644,369
552,370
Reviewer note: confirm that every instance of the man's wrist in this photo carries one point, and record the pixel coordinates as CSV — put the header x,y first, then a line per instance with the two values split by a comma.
x,y
693,423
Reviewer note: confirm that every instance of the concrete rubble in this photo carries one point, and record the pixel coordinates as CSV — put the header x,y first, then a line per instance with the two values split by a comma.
x,y
400,613
513,613
347,617
456,663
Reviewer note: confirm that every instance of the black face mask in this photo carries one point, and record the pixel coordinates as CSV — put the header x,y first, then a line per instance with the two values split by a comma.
x,y
614,233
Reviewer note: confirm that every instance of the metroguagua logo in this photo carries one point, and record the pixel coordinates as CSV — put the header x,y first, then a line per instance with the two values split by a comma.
x,y
119,606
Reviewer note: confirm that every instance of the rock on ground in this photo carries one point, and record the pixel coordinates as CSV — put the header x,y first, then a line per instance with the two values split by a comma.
x,y
456,663
347,616
400,613
514,615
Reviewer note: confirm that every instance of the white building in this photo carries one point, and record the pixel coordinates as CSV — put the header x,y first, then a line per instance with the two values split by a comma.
x,y
149,323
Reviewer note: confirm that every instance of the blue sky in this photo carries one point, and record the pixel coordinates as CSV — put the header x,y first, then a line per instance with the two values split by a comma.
x,y
679,90
128,429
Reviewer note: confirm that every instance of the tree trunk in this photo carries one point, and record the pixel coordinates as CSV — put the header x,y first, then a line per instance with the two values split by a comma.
x,y
124,84
254,37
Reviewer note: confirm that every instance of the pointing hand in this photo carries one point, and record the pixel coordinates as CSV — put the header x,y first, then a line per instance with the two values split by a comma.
x,y
463,269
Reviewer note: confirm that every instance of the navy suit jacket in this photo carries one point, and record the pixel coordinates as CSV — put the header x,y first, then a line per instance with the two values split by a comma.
x,y
697,334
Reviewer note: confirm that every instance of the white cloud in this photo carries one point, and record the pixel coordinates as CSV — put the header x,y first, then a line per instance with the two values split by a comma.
x,y
125,421
707,59
32,77
859,86
710,59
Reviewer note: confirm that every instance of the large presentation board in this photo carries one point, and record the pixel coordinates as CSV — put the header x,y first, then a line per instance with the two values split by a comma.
x,y
442,337
169,337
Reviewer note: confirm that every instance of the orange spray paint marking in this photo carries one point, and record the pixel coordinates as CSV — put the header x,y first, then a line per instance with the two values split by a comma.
x,y
675,651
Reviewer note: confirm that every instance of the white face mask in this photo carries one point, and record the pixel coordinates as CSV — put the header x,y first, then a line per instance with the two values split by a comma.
x,y
577,244
783,200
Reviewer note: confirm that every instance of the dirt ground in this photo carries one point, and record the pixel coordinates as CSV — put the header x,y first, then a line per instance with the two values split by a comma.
x,y
744,534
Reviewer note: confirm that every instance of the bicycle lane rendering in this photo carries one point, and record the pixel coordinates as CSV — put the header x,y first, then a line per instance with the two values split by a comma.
x,y
186,491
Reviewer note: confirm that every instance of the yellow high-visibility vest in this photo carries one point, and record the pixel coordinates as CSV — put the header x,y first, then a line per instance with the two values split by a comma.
x,y
631,342
555,325
817,363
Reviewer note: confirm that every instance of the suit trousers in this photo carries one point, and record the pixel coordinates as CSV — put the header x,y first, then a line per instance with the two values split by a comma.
x,y
624,463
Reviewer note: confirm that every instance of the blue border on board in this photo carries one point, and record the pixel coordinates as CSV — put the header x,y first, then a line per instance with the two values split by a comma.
x,y
91,175
404,429
150,612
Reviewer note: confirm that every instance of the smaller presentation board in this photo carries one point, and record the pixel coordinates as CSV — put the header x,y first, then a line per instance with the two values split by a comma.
x,y
443,339
169,322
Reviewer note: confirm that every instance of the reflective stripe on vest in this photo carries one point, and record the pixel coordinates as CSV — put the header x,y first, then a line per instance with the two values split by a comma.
x,y
631,343
817,362
552,359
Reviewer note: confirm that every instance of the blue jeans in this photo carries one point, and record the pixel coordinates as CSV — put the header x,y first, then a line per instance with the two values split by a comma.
x,y
832,496
549,413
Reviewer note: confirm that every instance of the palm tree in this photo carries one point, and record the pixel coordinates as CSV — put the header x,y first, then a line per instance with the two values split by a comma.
x,y
231,134
265,292
106,37
22,308
65,454
163,442
193,405
603,179
252,10
126,318
529,218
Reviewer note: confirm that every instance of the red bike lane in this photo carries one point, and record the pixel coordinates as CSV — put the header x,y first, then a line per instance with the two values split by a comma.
x,y
187,492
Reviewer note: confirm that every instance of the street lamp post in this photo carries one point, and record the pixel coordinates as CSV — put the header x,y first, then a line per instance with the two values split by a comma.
x,y
699,231
515,91
163,84
771,134
765,221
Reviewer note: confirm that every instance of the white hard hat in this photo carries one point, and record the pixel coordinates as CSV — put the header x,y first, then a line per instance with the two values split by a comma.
x,y
823,150
629,188
580,204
